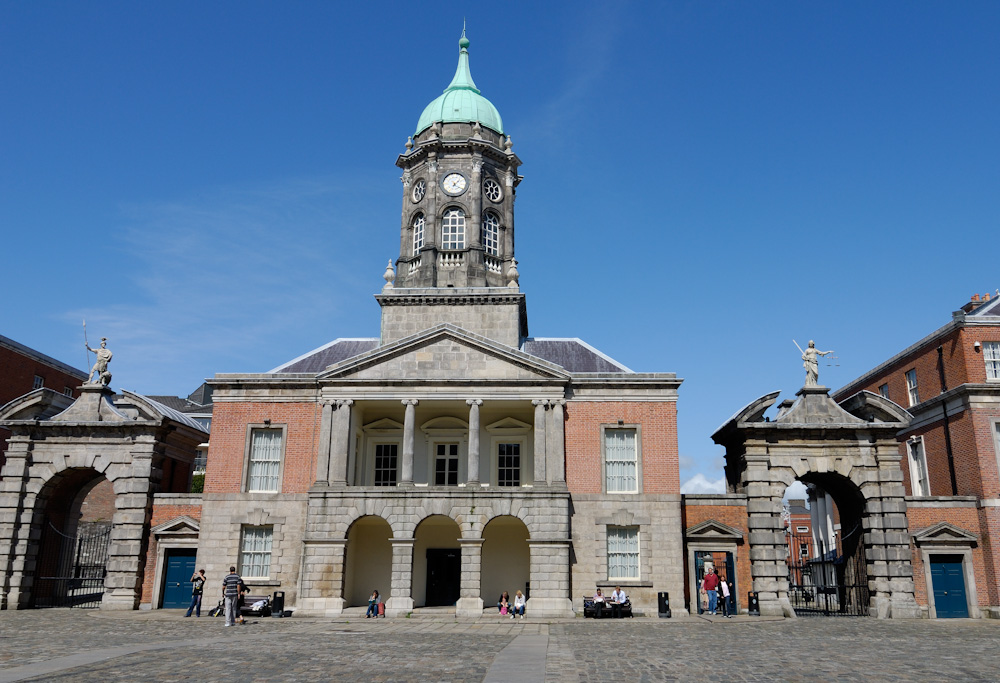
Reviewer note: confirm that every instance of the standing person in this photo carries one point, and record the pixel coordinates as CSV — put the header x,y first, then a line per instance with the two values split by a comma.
x,y
618,599
518,605
196,592
232,590
724,588
598,604
711,583
373,602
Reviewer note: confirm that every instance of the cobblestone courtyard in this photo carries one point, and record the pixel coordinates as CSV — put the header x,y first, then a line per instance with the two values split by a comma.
x,y
73,645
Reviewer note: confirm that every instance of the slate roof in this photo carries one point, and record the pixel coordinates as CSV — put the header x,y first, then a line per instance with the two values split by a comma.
x,y
181,405
991,308
42,358
575,355
320,359
168,412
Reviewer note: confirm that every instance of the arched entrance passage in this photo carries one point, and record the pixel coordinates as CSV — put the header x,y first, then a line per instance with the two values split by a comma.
x,y
73,516
506,558
437,562
827,561
851,451
368,564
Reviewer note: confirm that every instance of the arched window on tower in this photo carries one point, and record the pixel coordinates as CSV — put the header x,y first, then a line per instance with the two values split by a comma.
x,y
418,233
453,229
491,233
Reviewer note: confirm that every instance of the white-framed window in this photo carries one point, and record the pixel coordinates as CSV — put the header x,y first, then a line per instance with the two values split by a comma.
x,y
509,464
264,468
453,229
883,390
386,462
919,482
446,464
418,232
911,387
804,550
621,460
68,391
38,383
255,552
802,529
623,552
991,354
491,233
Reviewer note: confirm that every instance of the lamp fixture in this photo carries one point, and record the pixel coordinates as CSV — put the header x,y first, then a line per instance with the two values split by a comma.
x,y
977,346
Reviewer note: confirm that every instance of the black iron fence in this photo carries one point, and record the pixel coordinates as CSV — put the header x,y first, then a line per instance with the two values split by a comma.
x,y
71,568
824,583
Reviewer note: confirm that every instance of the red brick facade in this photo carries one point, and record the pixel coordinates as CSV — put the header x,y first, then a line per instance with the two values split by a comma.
x,y
230,434
161,514
657,423
734,516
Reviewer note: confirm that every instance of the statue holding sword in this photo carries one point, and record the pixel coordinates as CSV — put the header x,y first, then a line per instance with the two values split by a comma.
x,y
810,362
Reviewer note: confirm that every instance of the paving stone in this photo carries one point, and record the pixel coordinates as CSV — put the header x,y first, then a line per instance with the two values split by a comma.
x,y
105,647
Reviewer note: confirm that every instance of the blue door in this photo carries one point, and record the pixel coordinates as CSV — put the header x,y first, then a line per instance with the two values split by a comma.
x,y
948,581
177,585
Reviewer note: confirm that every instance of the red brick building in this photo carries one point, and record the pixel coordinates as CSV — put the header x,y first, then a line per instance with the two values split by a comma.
x,y
950,382
23,369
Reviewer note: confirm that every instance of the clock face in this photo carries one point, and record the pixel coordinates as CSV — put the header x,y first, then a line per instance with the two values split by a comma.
x,y
454,183
419,190
491,189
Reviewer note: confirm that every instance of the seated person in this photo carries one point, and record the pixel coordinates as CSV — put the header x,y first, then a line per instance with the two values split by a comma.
x,y
618,598
373,602
503,604
518,605
598,604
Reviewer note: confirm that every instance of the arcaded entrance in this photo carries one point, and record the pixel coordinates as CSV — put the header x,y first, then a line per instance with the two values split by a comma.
x,y
506,558
854,457
73,516
437,562
368,563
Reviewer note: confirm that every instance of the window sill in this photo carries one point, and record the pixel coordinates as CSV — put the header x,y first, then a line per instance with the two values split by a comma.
x,y
624,583
261,582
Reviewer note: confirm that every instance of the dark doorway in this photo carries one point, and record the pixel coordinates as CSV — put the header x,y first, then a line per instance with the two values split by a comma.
x,y
725,563
948,581
177,584
444,576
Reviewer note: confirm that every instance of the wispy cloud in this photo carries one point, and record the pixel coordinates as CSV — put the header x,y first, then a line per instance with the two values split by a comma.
x,y
228,272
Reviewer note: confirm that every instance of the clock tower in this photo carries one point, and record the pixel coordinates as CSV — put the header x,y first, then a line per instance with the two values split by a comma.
x,y
457,230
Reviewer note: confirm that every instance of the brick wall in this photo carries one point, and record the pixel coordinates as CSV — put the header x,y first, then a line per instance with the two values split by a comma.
x,y
965,518
224,473
162,513
658,421
734,516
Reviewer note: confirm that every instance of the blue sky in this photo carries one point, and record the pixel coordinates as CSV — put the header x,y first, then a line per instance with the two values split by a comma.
x,y
212,185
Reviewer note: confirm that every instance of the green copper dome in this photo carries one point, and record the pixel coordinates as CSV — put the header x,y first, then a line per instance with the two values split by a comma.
x,y
461,101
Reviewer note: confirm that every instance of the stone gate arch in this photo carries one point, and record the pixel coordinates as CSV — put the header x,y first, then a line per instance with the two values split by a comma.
x,y
850,449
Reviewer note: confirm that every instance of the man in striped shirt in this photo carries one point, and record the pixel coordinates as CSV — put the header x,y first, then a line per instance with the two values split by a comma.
x,y
232,586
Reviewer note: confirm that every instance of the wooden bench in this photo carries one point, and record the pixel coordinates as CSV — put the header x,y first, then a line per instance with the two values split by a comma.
x,y
590,609
248,601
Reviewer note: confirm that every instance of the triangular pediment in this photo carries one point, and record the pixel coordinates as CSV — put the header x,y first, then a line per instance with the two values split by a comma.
x,y
712,530
382,426
944,533
445,353
508,425
177,525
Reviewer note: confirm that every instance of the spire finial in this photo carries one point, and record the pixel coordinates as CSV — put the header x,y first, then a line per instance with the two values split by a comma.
x,y
463,42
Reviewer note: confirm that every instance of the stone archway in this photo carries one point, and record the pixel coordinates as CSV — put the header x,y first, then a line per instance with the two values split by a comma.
x,y
368,560
854,453
506,560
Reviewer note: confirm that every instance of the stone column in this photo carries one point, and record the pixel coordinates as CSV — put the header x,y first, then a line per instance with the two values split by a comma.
x,y
473,477
549,578
539,440
340,439
133,508
400,601
321,590
470,601
409,420
323,458
768,547
555,446
15,524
